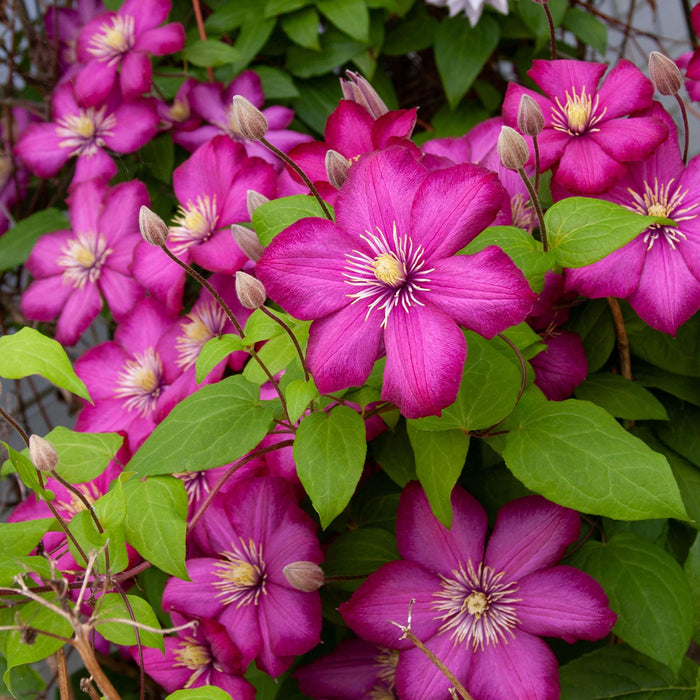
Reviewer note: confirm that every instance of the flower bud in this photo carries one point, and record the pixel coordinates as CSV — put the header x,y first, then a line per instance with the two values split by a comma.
x,y
42,453
247,241
304,575
665,74
153,229
530,119
251,292
357,89
337,167
248,120
254,200
512,149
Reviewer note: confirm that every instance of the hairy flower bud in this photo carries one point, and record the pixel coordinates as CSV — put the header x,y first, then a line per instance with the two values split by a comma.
x,y
254,200
248,120
530,119
512,149
665,74
251,292
42,453
337,166
304,575
357,89
153,229
247,241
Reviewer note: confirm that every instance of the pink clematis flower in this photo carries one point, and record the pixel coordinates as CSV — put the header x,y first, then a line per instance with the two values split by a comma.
x,y
481,612
659,271
385,278
253,532
119,43
85,132
589,135
75,269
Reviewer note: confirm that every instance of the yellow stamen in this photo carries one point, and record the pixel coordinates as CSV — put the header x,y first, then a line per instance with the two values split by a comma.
x,y
389,270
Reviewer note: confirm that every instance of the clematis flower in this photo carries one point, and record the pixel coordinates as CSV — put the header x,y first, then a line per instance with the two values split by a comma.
x,y
253,532
119,43
385,277
589,136
471,8
658,272
480,611
74,269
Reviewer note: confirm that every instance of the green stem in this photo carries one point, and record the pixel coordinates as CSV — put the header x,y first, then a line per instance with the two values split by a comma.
x,y
538,207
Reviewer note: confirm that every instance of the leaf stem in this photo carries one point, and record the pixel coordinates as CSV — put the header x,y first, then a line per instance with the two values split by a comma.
x,y
623,344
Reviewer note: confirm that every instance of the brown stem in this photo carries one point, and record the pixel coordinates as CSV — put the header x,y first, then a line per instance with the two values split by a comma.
x,y
538,207
684,116
64,688
4,414
550,21
202,32
290,333
87,654
623,345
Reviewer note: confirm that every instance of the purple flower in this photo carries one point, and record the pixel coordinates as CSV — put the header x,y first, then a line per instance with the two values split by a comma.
x,y
250,534
385,278
482,612
588,136
120,42
75,269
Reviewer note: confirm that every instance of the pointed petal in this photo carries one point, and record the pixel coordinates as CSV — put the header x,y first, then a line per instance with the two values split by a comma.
x,y
135,74
94,82
159,275
562,366
85,205
121,209
42,261
161,40
94,165
39,148
395,124
44,298
137,123
625,89
122,292
349,130
220,253
143,328
634,138
99,368
585,168
80,310
557,77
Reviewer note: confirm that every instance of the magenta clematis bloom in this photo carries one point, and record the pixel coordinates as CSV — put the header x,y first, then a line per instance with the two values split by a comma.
x,y
385,277
658,272
589,135
119,43
85,132
251,533
480,611
75,269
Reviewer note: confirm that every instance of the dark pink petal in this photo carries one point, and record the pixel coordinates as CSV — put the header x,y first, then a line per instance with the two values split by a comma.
x,y
303,269
161,40
249,85
95,165
135,74
108,415
557,77
279,118
99,367
564,602
146,13
39,148
80,310
552,144
525,667
394,124
165,670
96,25
633,138
160,276
343,347
192,140
425,353
206,99
562,366
85,205
120,215
625,89
42,261
385,597
94,81
249,174
122,292
423,539
44,298
484,292
144,327
310,157
198,596
137,123
220,253
530,533
349,130
243,625
585,168
467,198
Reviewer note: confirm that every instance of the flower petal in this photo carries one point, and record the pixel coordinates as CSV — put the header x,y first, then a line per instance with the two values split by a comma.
x,y
44,298
625,89
556,78
585,168
80,310
634,138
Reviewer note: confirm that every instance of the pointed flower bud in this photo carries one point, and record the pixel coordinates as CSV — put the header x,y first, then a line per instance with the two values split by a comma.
x,y
251,292
357,89
512,149
153,229
42,453
530,119
665,74
337,167
248,120
254,200
304,575
247,241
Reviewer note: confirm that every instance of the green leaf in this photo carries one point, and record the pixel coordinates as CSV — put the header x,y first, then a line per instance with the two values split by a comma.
x,y
336,49
214,351
21,537
536,20
319,97
587,28
329,451
156,521
686,388
227,18
583,230
276,84
260,326
277,353
461,51
593,322
211,53
255,31
29,352
274,216
620,672
576,454
350,16
214,426
524,250
278,7
692,574
298,395
302,28
621,398
392,450
17,243
649,592
83,456
439,461
113,606
681,432
158,156
26,470
414,34
205,692
26,683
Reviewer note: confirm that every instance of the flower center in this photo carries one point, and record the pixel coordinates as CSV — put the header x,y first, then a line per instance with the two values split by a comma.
x,y
662,200
140,382
180,110
389,274
242,576
83,258
522,212
90,492
195,223
194,656
579,114
114,40
84,132
198,327
477,607
386,661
